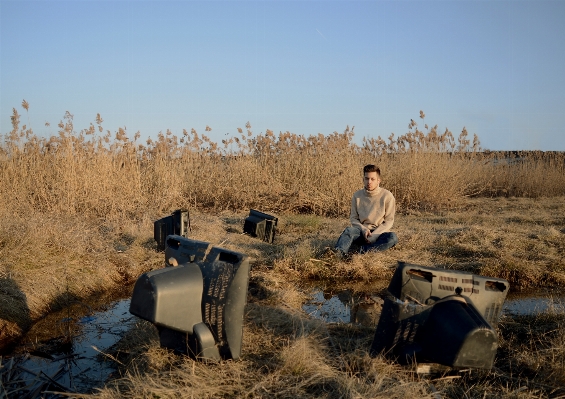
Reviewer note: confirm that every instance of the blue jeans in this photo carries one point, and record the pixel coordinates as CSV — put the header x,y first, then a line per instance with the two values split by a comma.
x,y
353,234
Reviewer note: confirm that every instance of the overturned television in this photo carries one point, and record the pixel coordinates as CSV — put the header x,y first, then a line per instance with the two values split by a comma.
x,y
177,223
197,301
440,316
260,225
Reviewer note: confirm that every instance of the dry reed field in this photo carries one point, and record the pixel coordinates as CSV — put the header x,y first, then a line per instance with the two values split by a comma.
x,y
77,220
104,174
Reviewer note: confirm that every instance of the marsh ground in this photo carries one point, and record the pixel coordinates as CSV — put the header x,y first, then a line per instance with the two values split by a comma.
x,y
287,353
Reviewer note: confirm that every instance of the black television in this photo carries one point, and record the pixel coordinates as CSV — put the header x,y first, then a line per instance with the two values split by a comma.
x,y
198,304
177,223
260,225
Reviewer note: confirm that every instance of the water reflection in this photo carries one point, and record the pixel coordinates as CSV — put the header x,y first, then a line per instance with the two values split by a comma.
x,y
66,351
345,307
364,309
534,304
331,310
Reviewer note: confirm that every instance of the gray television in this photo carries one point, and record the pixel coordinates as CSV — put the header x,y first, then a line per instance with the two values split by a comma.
x,y
440,316
197,301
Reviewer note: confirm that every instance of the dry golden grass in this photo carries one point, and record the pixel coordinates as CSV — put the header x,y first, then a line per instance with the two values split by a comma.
x,y
287,355
111,175
486,236
78,214
48,261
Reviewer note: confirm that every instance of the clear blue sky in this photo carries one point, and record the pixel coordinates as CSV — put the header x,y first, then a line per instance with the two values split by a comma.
x,y
495,67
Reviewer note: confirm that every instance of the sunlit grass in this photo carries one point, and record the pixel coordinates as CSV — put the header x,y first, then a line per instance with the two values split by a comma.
x,y
99,173
77,216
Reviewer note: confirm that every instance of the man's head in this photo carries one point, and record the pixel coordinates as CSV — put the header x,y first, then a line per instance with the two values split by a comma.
x,y
371,177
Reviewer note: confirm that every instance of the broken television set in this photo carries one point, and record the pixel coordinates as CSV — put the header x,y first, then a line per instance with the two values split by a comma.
x,y
177,223
440,316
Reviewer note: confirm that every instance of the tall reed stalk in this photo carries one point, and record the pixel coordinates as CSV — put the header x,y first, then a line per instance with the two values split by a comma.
x,y
99,173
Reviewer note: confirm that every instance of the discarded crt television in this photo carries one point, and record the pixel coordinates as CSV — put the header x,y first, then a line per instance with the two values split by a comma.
x,y
260,225
440,316
197,301
175,224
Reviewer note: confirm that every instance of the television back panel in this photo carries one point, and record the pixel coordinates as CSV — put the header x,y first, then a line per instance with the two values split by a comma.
x,y
260,225
175,224
254,226
161,229
456,335
184,250
397,327
169,297
450,332
203,298
270,230
226,275
426,285
180,222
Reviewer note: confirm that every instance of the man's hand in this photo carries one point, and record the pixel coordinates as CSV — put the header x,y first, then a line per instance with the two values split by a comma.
x,y
367,234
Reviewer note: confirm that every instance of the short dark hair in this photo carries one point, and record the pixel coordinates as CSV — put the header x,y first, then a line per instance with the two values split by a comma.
x,y
371,168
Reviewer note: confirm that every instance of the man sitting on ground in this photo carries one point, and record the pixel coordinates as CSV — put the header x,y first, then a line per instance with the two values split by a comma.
x,y
372,217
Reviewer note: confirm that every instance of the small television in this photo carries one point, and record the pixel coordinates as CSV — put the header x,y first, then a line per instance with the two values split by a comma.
x,y
260,225
175,224
197,305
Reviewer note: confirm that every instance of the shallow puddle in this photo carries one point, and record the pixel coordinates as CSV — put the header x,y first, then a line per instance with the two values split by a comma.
x,y
331,310
65,352
534,304
345,307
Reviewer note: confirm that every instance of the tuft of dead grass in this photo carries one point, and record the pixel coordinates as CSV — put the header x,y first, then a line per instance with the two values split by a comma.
x,y
47,262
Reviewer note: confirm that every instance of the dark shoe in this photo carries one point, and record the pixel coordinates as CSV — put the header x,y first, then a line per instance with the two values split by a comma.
x,y
330,254
339,254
